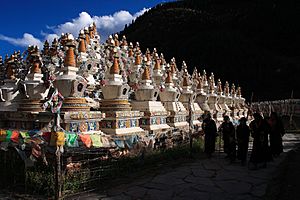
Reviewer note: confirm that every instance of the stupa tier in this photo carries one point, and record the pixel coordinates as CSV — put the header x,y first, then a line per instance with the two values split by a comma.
x,y
110,87
188,96
120,119
155,114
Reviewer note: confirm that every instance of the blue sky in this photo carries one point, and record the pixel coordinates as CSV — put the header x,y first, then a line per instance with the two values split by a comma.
x,y
26,22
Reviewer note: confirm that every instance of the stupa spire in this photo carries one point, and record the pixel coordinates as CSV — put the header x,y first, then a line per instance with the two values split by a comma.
x,y
138,58
172,66
130,51
204,76
87,36
157,64
148,55
185,79
232,90
219,87
184,66
91,31
124,41
211,85
81,47
70,56
116,39
46,48
115,69
169,77
226,88
146,73
199,86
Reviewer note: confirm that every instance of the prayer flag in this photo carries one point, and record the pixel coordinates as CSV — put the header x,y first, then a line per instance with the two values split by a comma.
x,y
96,139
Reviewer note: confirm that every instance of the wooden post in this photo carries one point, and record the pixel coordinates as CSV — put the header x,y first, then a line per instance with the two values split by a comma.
x,y
58,176
191,125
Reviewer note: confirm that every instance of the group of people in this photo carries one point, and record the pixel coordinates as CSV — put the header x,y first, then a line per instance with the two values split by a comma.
x,y
266,133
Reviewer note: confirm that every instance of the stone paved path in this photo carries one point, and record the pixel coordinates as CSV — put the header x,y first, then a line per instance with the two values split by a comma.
x,y
207,179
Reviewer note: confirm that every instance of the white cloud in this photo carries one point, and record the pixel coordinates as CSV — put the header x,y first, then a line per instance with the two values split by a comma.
x,y
25,41
74,26
106,25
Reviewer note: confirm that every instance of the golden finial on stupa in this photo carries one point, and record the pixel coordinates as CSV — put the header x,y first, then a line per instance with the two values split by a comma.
x,y
204,76
115,69
226,88
130,51
87,36
212,77
116,39
138,58
232,89
70,55
185,82
157,64
148,54
81,46
199,86
95,28
169,77
146,73
91,31
137,46
124,41
219,87
211,85
163,61
172,66
195,73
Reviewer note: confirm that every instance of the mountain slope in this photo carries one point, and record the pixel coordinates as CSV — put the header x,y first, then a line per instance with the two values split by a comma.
x,y
252,43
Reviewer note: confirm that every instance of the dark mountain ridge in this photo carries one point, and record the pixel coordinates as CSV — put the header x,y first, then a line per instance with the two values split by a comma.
x,y
252,43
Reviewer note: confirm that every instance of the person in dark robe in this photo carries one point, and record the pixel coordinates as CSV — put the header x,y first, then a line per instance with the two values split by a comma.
x,y
242,134
276,133
228,135
260,130
210,132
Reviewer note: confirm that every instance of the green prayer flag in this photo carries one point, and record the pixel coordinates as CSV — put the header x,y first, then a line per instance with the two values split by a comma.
x,y
8,135
25,135
96,140
71,140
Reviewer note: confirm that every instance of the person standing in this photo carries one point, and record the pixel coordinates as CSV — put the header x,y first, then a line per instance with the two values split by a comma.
x,y
210,132
260,130
228,135
242,134
277,131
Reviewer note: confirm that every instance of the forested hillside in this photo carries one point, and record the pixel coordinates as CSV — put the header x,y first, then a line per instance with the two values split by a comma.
x,y
253,43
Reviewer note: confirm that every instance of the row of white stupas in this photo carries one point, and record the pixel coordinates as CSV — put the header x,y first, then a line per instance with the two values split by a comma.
x,y
113,86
